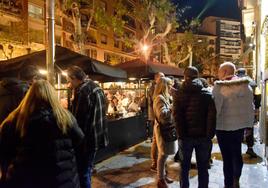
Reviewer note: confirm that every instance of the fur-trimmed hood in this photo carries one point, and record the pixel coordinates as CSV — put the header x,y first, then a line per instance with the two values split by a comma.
x,y
233,82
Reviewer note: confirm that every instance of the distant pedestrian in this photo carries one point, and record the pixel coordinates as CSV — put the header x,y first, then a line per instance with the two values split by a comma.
x,y
235,111
37,142
151,119
163,122
89,108
195,117
13,89
249,132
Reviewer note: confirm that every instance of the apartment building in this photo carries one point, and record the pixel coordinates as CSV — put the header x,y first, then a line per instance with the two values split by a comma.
x,y
26,20
228,32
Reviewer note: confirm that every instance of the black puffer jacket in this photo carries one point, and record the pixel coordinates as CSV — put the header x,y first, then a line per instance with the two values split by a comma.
x,y
44,157
194,111
12,91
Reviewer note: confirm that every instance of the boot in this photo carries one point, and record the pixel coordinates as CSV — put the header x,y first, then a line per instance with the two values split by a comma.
x,y
236,183
161,183
251,153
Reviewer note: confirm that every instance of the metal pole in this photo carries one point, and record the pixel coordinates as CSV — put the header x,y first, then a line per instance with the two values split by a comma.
x,y
50,47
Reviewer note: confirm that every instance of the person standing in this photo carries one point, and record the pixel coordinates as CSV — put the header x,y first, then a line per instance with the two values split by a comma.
x,y
235,111
89,108
12,89
151,119
37,141
163,118
195,117
249,132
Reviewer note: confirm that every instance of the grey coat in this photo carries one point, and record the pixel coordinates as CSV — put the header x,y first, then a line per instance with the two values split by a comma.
x,y
234,104
162,110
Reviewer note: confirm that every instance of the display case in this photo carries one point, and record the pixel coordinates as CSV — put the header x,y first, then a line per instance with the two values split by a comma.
x,y
126,112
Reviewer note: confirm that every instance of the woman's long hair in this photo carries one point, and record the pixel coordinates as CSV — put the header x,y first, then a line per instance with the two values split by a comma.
x,y
41,93
162,88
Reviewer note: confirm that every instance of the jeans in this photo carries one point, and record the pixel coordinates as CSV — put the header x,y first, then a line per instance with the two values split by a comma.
x,y
230,146
84,166
249,137
154,150
202,149
178,155
161,161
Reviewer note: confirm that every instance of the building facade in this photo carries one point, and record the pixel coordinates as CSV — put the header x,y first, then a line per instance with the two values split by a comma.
x,y
228,32
23,27
255,21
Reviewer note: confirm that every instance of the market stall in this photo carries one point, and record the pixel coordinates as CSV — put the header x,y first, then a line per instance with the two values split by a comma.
x,y
138,68
125,127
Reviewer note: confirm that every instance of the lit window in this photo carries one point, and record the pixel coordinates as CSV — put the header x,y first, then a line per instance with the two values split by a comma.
x,y
35,11
103,39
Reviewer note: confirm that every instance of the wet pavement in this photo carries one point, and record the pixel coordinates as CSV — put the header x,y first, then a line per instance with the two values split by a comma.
x,y
131,168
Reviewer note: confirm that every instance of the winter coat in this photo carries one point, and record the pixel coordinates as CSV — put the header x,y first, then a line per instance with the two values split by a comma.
x,y
12,91
194,111
44,157
234,104
162,111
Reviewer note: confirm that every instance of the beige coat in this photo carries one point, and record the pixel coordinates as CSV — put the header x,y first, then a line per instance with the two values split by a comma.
x,y
162,111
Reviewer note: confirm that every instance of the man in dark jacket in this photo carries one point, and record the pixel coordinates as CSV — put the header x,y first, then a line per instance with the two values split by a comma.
x,y
12,90
195,118
89,108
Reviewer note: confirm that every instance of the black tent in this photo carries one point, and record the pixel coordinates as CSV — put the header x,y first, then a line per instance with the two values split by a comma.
x,y
139,69
64,58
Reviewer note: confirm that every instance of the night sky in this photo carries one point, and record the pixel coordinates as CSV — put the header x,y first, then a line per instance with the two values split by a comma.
x,y
204,8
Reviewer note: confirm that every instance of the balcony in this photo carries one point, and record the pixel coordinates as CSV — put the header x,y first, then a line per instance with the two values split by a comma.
x,y
12,7
68,26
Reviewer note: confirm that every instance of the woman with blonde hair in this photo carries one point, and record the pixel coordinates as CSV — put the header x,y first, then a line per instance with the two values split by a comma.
x,y
163,119
37,142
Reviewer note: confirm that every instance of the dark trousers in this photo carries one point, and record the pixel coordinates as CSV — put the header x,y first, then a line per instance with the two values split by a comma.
x,y
249,137
84,166
202,149
230,146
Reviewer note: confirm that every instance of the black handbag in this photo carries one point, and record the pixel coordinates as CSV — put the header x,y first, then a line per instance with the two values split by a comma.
x,y
168,132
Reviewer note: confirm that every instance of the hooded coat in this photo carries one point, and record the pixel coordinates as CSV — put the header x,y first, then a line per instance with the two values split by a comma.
x,y
234,104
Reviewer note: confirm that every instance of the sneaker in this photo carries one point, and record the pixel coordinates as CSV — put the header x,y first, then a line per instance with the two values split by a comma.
x,y
168,180
251,153
153,168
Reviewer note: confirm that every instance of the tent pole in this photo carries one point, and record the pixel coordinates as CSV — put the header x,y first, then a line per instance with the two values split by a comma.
x,y
50,43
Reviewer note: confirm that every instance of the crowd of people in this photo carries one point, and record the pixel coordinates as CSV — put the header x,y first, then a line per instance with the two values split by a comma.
x,y
44,145
199,112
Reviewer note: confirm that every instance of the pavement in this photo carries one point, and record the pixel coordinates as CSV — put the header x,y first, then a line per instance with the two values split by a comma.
x,y
131,168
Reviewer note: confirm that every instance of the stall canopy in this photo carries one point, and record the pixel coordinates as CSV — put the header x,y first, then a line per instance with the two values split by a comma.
x,y
139,69
64,58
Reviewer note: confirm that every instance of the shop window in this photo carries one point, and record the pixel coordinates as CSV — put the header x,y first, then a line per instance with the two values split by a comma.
x,y
35,11
103,39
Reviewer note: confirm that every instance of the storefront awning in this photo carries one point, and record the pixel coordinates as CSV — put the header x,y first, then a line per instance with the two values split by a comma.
x,y
140,69
63,59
